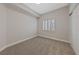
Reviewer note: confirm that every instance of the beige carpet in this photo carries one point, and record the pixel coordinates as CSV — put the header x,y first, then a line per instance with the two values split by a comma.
x,y
39,46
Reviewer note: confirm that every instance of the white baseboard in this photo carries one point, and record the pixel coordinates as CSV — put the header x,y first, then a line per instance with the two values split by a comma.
x,y
73,49
14,43
17,42
53,38
76,52
1,49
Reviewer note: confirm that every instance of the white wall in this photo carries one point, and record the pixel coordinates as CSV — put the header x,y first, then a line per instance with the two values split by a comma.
x,y
15,26
75,29
72,5
62,24
2,26
19,26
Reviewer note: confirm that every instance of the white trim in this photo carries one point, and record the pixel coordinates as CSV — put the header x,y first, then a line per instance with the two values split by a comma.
x,y
25,7
53,38
14,43
1,49
73,49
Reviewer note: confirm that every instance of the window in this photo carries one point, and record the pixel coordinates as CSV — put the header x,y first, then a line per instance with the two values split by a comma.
x,y
44,24
48,25
53,25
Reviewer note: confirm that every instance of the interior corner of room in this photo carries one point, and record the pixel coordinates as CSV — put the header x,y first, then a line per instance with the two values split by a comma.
x,y
21,22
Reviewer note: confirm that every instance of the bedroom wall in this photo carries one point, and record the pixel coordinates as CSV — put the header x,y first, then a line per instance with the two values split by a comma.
x,y
3,26
74,28
15,26
62,24
20,26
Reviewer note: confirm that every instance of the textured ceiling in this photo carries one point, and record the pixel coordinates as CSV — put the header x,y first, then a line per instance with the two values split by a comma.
x,y
45,7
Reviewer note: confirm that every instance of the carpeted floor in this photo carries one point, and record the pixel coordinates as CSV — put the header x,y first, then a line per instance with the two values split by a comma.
x,y
39,46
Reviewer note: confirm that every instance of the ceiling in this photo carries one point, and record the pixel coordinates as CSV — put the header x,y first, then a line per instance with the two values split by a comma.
x,y
44,7
35,9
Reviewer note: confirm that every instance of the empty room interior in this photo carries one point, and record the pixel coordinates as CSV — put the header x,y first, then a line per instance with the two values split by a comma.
x,y
39,28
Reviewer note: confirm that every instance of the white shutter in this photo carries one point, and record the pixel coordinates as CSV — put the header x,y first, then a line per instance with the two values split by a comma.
x,y
48,25
53,25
